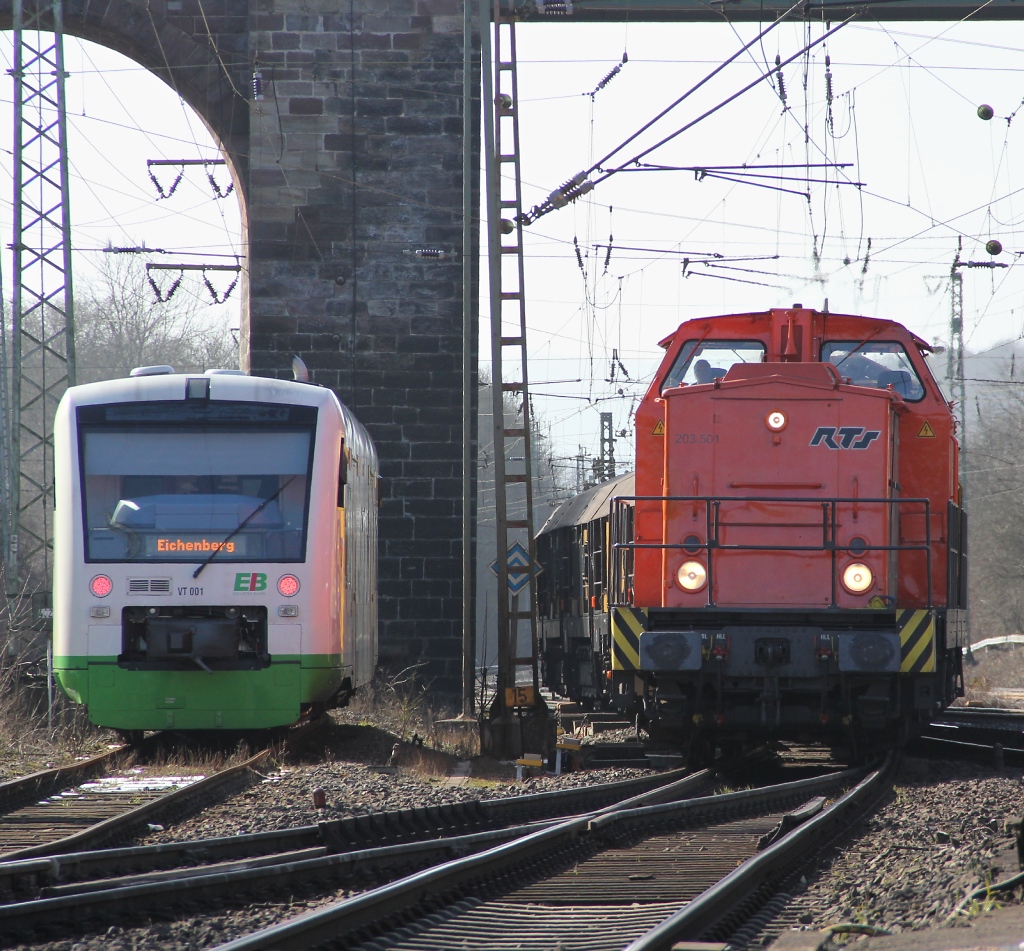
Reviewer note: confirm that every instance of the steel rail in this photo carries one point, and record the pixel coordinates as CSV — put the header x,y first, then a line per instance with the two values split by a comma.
x,y
369,908
15,792
723,898
353,832
126,822
135,892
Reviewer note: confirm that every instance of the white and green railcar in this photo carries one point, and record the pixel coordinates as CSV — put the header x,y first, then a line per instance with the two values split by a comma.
x,y
215,551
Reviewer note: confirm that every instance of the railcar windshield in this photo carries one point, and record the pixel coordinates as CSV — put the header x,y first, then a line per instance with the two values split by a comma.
x,y
877,363
702,361
168,490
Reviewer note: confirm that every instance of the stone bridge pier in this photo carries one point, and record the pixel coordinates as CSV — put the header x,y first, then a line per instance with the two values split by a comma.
x,y
342,125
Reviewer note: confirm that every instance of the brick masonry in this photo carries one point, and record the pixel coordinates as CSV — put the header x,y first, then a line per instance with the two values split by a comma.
x,y
351,160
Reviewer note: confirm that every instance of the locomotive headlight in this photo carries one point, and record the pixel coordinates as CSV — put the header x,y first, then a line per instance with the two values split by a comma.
x,y
101,586
692,576
857,578
288,585
776,420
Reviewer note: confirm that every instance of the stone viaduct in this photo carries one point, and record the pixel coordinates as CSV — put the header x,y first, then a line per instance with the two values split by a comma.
x,y
350,158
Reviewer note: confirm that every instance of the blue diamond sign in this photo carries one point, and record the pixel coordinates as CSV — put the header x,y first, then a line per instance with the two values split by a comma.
x,y
518,567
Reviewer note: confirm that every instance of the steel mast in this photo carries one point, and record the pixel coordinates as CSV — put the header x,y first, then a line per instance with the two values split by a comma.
x,y
42,363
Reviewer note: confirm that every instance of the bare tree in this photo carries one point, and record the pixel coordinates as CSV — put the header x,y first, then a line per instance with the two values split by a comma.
x,y
993,475
120,325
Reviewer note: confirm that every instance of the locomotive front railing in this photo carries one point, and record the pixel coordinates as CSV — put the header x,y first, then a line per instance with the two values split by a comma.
x,y
624,518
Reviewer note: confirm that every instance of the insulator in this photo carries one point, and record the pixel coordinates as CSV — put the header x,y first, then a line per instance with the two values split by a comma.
x,y
608,253
828,86
607,79
435,254
579,256
257,86
579,192
557,199
779,78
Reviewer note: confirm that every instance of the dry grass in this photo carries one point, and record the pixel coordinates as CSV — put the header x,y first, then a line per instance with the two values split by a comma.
x,y
994,677
404,706
30,739
33,737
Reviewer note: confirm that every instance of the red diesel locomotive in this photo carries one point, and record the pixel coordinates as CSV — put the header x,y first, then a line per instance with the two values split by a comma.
x,y
792,558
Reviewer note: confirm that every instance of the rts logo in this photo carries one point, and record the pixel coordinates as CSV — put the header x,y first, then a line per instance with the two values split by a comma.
x,y
845,437
250,581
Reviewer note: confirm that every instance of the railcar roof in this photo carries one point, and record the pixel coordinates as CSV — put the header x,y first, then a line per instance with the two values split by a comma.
x,y
588,505
171,386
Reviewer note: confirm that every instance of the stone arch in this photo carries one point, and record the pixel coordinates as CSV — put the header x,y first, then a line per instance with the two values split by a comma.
x,y
203,57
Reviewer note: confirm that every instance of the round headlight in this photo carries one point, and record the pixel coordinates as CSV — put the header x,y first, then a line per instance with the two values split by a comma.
x,y
288,585
857,578
101,586
776,420
692,576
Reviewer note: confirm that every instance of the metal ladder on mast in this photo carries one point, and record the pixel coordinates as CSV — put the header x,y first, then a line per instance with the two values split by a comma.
x,y
513,483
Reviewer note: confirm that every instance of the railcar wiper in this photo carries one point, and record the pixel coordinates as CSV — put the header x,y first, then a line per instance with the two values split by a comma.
x,y
256,511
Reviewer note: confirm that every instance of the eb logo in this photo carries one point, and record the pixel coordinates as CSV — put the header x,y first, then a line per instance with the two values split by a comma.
x,y
250,581
845,437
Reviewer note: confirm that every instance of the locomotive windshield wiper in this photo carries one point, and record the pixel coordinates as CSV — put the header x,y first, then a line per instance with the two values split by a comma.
x,y
256,511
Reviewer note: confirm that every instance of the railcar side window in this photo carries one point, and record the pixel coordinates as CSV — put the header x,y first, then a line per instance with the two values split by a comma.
x,y
702,361
877,363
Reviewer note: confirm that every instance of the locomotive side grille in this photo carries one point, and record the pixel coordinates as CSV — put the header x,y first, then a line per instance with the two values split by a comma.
x,y
149,585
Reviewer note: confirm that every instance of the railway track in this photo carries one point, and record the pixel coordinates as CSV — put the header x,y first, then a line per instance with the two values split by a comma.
x,y
96,802
605,881
107,884
982,734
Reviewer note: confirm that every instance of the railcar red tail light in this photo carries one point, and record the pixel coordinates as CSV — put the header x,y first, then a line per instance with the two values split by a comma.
x,y
101,586
692,576
288,585
857,578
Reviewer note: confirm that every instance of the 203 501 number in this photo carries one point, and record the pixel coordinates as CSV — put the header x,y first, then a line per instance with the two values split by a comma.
x,y
694,439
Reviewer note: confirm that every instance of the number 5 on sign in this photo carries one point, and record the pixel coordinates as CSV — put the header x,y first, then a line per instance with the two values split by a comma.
x,y
519,696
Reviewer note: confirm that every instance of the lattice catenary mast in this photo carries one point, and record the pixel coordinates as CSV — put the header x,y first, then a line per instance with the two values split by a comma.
x,y
41,360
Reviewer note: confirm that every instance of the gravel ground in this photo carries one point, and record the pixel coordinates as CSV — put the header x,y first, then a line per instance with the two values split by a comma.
x,y
938,836
356,779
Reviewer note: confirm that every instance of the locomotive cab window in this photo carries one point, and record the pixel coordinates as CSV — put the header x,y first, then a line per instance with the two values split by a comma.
x,y
165,493
877,363
704,361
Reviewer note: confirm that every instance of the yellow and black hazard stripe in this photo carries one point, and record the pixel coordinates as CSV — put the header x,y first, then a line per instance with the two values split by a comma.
x,y
917,640
627,626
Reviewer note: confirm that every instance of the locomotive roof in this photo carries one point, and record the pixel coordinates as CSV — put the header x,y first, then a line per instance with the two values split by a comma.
x,y
588,505
870,323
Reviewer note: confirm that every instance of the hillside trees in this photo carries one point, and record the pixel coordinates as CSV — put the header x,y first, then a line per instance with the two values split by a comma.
x,y
119,325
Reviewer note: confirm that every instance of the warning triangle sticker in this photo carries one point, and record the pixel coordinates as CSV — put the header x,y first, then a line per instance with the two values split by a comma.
x,y
659,428
926,431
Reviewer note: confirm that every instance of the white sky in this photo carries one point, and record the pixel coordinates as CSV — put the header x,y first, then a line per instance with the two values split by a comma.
x,y
120,115
903,113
